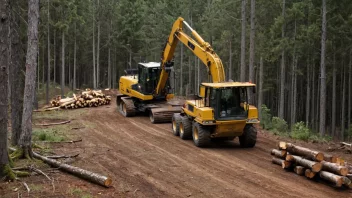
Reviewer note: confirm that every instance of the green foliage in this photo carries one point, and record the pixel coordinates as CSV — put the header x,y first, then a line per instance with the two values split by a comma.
x,y
279,125
50,135
300,131
265,121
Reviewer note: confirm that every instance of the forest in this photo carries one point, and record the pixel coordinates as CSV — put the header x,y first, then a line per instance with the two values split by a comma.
x,y
298,52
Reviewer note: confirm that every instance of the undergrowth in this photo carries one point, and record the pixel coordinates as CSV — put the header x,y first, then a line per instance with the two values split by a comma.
x,y
49,135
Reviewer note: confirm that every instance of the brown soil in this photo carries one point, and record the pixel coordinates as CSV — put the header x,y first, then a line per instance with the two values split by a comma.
x,y
146,160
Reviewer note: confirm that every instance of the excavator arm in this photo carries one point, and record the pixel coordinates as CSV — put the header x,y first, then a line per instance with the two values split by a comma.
x,y
198,46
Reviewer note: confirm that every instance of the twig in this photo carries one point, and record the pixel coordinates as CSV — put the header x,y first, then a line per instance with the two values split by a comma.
x,y
20,168
72,141
62,156
48,109
58,123
346,144
25,185
42,173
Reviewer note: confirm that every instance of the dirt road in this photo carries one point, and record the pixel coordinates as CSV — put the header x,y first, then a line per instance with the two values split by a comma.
x,y
146,160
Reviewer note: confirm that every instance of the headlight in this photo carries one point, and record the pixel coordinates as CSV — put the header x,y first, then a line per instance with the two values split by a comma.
x,y
209,122
253,120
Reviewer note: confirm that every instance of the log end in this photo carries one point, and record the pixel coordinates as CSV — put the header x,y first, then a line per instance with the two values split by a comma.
x,y
344,171
282,145
286,164
317,167
319,157
108,182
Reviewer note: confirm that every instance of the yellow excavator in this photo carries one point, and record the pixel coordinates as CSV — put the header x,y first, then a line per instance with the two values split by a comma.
x,y
221,111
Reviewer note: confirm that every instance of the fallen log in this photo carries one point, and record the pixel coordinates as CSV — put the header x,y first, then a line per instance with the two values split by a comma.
x,y
309,173
57,123
62,156
314,166
289,158
346,181
340,161
336,179
345,144
301,151
334,168
284,164
84,174
299,170
279,153
47,109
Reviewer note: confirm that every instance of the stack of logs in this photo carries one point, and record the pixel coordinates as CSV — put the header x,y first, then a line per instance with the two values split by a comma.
x,y
313,164
88,98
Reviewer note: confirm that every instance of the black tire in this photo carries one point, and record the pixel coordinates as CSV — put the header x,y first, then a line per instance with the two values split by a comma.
x,y
185,128
249,137
201,135
151,117
124,110
176,119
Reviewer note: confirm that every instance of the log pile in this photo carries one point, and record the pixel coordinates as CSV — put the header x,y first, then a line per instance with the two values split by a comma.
x,y
88,98
313,164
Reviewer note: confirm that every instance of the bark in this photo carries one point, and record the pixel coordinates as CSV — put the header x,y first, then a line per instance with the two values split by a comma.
x,y
75,59
313,99
308,93
4,64
337,180
109,57
284,164
230,58
334,168
54,57
299,170
48,69
98,48
260,98
282,74
16,77
243,42
181,75
314,166
330,158
349,108
63,64
301,151
94,70
293,80
343,102
29,90
251,50
279,153
333,110
322,111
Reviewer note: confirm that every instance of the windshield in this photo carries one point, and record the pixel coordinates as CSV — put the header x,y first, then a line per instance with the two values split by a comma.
x,y
232,101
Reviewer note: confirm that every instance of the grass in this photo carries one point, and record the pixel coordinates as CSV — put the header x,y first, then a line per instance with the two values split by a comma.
x,y
60,114
79,193
49,135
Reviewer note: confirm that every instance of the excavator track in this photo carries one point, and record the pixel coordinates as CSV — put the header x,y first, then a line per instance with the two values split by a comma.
x,y
162,115
127,107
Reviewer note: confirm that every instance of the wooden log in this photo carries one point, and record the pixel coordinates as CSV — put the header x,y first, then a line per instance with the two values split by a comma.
x,y
340,161
289,158
299,170
48,109
67,103
284,164
305,152
330,158
336,179
309,173
334,168
282,146
314,166
56,123
346,181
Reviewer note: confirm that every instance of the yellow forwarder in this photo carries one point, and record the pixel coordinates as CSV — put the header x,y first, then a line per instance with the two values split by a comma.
x,y
222,111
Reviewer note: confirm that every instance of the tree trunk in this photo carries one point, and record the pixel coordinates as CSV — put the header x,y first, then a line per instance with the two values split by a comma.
x,y
4,55
181,72
334,168
109,56
29,90
16,77
63,64
343,79
279,153
230,59
189,76
283,72
313,98
349,108
75,60
48,69
98,48
322,111
94,70
260,98
308,93
54,57
243,42
251,50
301,151
314,166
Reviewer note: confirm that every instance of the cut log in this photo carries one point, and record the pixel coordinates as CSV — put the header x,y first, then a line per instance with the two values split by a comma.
x,y
279,153
346,181
330,158
282,146
334,168
336,179
289,158
345,144
299,170
340,161
314,166
301,151
284,164
309,173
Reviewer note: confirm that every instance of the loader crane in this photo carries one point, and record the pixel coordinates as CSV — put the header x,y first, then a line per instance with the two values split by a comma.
x,y
222,111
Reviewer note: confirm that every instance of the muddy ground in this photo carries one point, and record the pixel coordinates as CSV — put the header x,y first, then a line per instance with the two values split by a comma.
x,y
146,160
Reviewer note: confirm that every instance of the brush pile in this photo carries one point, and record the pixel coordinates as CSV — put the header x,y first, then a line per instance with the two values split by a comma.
x,y
88,98
313,164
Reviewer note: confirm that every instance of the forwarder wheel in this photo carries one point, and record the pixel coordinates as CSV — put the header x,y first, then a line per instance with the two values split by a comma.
x,y
185,128
249,137
124,110
176,120
151,117
201,135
